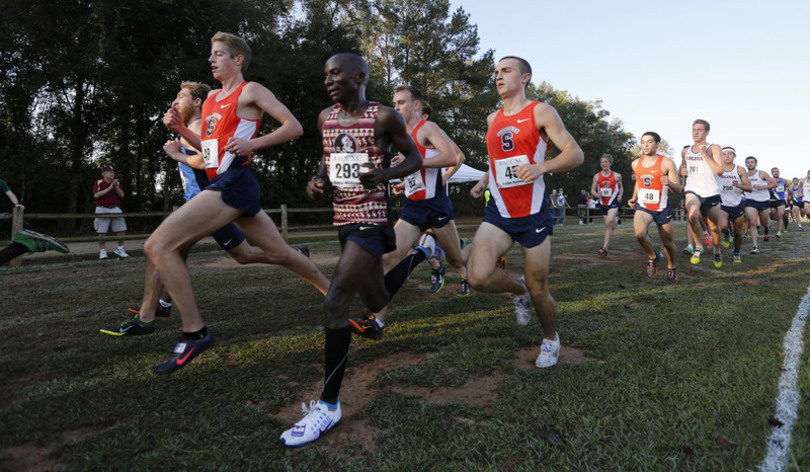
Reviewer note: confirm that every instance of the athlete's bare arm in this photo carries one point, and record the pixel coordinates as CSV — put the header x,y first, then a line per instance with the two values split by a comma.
x,y
632,202
460,158
746,182
619,184
390,129
254,101
550,124
430,135
670,177
594,183
714,157
767,177
172,148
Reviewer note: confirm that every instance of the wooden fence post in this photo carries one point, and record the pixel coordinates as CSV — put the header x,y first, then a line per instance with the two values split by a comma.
x,y
284,223
16,225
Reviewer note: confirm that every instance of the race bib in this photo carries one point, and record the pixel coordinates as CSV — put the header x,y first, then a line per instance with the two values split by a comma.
x,y
345,168
695,169
414,183
728,188
649,196
780,188
210,153
606,192
505,171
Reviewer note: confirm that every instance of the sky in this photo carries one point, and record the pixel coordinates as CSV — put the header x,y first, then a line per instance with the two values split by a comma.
x,y
657,66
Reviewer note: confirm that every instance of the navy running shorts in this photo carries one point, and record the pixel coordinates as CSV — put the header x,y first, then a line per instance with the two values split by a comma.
x,y
431,213
529,231
239,188
659,217
375,239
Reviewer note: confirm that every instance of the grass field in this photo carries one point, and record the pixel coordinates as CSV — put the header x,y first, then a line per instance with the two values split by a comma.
x,y
651,378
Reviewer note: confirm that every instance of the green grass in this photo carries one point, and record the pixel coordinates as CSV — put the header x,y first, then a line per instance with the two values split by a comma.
x,y
663,370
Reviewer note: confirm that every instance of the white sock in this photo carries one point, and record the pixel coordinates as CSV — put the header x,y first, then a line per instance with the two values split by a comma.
x,y
165,304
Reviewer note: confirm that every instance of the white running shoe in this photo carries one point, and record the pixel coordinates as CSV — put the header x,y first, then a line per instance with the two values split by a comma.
x,y
428,243
549,353
318,419
523,307
102,254
121,253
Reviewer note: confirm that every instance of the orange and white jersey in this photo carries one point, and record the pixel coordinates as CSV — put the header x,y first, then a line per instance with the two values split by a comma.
x,y
652,194
607,187
513,141
426,183
220,123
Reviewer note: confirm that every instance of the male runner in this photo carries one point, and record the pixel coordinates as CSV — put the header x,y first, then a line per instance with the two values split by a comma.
x,y
607,187
362,211
701,164
778,201
230,122
655,175
517,140
733,182
189,102
796,197
805,193
757,200
426,204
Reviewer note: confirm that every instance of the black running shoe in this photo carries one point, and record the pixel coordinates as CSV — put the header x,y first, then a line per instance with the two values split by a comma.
x,y
184,352
671,278
465,288
161,311
652,266
131,327
437,278
368,328
303,250
501,264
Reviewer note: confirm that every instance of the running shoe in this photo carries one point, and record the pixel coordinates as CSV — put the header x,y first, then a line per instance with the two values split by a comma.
x,y
427,244
318,419
737,259
755,250
778,235
688,250
671,278
549,353
161,311
726,242
437,278
303,250
695,259
652,266
501,264
184,352
131,327
464,242
708,241
120,252
102,254
367,327
766,238
38,242
718,260
602,252
523,307
801,228
465,289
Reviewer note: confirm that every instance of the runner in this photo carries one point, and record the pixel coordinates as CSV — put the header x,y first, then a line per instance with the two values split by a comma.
x,y
655,175
701,164
732,184
795,197
231,118
517,141
778,201
607,187
757,204
362,211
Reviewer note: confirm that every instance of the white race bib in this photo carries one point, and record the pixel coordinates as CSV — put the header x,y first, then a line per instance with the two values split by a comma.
x,y
728,188
780,188
344,168
695,169
606,192
505,171
210,153
649,196
414,183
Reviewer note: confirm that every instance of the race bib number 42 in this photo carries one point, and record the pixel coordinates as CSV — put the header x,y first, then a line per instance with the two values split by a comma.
x,y
210,153
345,168
505,171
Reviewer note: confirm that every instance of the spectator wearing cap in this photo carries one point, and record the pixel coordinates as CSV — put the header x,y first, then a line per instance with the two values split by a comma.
x,y
108,193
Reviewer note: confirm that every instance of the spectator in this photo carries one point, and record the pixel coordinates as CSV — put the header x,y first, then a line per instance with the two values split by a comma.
x,y
562,204
108,193
555,210
592,203
582,207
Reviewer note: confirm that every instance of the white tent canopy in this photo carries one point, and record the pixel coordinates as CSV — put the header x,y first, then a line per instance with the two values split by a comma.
x,y
464,174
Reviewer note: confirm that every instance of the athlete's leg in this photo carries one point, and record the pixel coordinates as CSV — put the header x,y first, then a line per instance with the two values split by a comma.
x,y
536,274
667,234
448,237
153,289
641,221
752,215
713,219
407,235
610,225
490,244
693,214
738,232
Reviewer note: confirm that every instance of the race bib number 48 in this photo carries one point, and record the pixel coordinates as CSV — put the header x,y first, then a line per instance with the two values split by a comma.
x,y
345,168
210,153
505,171
649,196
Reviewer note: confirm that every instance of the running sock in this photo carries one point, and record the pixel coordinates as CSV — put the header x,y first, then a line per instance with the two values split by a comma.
x,y
196,334
165,304
11,251
396,277
336,351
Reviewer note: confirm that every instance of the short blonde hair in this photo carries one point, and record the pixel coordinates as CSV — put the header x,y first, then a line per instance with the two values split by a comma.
x,y
607,156
235,45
